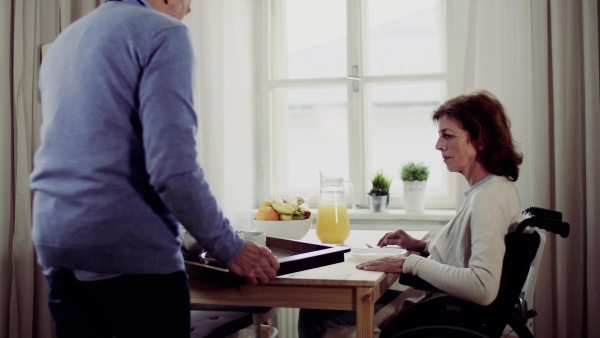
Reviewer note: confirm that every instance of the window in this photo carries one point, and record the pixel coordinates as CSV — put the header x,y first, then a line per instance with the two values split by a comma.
x,y
348,88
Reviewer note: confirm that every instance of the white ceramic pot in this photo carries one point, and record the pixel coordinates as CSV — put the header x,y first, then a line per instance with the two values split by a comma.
x,y
414,196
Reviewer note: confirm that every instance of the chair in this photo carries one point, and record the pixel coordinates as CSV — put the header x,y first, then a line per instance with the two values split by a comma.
x,y
223,321
446,316
205,324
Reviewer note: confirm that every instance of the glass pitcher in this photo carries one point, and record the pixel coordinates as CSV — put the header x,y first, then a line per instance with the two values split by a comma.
x,y
333,226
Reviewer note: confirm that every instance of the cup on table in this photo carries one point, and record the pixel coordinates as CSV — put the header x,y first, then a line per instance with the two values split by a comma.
x,y
259,238
189,244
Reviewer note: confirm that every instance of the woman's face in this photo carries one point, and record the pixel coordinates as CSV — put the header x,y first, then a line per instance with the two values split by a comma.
x,y
457,150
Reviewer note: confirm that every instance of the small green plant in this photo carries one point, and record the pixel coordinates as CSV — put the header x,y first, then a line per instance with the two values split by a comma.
x,y
415,172
381,184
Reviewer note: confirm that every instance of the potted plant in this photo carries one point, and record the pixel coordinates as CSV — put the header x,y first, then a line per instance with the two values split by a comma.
x,y
414,176
379,196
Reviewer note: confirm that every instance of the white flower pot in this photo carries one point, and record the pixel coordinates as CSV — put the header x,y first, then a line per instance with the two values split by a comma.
x,y
414,196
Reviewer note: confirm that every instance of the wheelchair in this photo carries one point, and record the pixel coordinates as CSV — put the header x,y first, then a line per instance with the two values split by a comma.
x,y
446,316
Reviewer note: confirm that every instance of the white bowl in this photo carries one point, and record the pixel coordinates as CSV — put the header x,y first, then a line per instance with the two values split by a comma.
x,y
284,229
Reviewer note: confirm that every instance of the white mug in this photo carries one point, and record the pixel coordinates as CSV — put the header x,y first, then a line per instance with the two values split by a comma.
x,y
259,238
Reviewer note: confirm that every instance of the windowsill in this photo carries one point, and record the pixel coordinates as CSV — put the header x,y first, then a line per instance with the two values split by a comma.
x,y
392,219
433,215
431,220
364,214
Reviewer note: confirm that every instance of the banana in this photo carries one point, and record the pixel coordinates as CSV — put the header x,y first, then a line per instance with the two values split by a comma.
x,y
297,200
303,212
286,217
281,207
296,217
291,203
307,212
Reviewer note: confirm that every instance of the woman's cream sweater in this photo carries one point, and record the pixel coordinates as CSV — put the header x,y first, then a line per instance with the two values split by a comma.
x,y
467,254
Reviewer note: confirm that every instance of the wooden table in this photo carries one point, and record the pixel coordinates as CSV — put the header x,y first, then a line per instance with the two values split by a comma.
x,y
332,287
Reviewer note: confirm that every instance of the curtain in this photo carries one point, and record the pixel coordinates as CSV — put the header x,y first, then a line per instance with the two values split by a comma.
x,y
541,59
29,24
6,199
573,96
490,50
224,40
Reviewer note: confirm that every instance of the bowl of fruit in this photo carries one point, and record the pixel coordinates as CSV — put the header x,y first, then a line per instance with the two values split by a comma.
x,y
283,218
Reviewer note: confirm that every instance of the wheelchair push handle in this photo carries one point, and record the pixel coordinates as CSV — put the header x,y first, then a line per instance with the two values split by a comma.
x,y
545,219
541,212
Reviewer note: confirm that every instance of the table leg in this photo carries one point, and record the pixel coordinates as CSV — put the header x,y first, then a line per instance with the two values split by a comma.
x,y
365,308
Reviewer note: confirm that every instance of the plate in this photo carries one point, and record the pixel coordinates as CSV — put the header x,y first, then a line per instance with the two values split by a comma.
x,y
375,253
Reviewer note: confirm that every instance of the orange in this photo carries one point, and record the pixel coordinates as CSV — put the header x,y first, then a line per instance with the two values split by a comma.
x,y
265,203
267,213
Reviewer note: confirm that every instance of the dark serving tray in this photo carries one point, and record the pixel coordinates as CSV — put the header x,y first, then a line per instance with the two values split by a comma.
x,y
293,256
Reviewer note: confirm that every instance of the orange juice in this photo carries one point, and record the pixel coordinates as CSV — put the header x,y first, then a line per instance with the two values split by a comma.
x,y
333,226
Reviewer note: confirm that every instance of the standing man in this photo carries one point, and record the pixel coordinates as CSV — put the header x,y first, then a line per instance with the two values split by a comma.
x,y
116,175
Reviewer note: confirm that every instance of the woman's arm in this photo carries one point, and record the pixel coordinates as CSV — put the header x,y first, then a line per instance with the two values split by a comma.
x,y
478,282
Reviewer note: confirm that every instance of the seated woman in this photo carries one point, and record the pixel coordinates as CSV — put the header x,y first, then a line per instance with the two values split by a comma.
x,y
464,259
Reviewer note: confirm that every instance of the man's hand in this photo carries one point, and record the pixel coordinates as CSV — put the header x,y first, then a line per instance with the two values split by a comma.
x,y
401,238
256,264
391,264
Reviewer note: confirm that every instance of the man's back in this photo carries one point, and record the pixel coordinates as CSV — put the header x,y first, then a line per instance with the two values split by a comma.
x,y
105,146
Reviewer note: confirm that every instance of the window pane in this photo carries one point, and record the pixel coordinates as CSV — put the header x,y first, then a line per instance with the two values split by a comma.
x,y
400,130
311,134
404,37
310,39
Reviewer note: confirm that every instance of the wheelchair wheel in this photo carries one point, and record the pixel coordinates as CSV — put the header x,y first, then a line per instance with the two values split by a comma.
x,y
438,331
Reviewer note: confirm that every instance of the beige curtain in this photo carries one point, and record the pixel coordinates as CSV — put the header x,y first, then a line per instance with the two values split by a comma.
x,y
222,31
567,104
26,26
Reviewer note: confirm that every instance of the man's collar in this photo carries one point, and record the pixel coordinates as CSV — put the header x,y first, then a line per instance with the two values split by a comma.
x,y
137,2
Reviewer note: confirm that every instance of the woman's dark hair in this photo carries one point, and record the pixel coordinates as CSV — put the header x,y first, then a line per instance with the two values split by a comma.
x,y
483,117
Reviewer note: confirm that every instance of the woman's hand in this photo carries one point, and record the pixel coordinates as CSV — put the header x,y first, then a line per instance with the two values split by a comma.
x,y
401,238
256,264
391,264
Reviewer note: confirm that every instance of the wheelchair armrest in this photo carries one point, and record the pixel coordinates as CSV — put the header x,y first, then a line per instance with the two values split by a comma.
x,y
417,283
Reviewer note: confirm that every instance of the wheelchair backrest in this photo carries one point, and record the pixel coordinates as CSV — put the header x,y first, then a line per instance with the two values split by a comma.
x,y
529,288
521,249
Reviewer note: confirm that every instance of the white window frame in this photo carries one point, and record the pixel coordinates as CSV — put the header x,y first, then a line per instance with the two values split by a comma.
x,y
357,116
